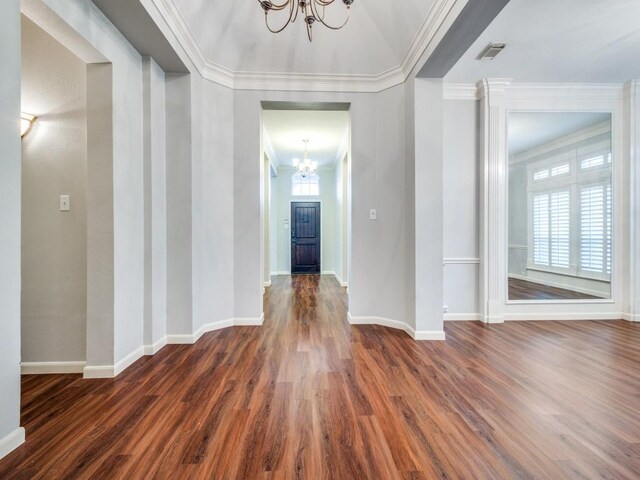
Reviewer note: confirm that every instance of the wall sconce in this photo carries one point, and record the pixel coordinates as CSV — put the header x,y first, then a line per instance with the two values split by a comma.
x,y
26,121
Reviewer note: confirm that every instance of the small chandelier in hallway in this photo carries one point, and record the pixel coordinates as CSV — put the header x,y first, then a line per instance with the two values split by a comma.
x,y
306,166
311,10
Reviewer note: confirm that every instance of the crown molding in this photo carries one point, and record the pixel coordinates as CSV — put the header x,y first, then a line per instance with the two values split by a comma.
x,y
470,91
327,82
426,34
460,91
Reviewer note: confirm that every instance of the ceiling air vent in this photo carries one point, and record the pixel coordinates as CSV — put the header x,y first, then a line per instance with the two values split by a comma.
x,y
491,51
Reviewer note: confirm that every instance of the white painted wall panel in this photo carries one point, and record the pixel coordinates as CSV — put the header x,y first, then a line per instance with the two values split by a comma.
x,y
54,162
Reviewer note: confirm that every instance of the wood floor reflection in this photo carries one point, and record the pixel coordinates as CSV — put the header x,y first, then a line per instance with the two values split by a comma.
x,y
523,290
308,396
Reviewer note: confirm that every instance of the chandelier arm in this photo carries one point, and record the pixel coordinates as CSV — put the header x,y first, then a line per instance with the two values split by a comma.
x,y
291,16
275,6
321,19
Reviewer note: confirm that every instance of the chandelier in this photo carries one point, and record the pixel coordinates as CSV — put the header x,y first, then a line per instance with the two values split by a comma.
x,y
312,11
306,166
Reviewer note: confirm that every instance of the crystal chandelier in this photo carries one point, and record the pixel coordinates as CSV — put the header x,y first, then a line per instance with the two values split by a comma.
x,y
306,166
312,11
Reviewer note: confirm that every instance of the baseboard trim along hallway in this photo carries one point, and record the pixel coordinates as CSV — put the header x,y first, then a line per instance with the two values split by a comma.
x,y
12,441
111,371
387,322
47,368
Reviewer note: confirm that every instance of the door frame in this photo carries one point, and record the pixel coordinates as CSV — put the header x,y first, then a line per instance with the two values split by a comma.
x,y
291,202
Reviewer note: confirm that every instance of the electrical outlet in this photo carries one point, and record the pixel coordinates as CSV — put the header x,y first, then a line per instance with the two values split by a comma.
x,y
373,215
445,309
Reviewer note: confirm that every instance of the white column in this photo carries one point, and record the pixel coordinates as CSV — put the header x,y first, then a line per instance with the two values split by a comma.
x,y
493,151
11,435
632,98
428,210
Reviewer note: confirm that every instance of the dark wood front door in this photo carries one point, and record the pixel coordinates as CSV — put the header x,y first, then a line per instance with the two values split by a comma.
x,y
305,237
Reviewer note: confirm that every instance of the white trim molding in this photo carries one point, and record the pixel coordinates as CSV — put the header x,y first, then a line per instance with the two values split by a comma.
x,y
156,347
112,371
562,316
188,339
462,317
99,371
440,16
45,368
632,101
387,322
499,98
11,442
461,261
493,197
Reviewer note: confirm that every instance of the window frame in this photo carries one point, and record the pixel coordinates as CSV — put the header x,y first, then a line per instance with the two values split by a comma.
x,y
297,174
574,181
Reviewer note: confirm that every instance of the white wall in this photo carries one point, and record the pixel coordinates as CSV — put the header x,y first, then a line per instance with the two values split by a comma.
x,y
428,185
340,243
460,208
54,162
128,196
179,205
282,211
377,282
214,247
11,435
155,203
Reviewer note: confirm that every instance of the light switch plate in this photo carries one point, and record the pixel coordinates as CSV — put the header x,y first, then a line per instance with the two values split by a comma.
x,y
373,215
65,203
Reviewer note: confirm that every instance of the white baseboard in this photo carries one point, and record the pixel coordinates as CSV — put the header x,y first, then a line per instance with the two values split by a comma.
x,y
267,284
129,360
337,277
11,442
156,347
45,368
99,371
429,335
387,322
530,317
275,274
112,371
631,317
462,317
212,327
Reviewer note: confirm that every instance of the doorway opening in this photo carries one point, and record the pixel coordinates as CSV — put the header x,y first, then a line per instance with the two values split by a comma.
x,y
306,190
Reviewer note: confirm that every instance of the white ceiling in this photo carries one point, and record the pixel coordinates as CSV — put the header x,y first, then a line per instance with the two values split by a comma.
x,y
232,34
326,131
528,130
555,41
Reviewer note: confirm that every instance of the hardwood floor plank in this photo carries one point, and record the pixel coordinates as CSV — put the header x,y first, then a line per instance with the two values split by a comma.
x,y
307,396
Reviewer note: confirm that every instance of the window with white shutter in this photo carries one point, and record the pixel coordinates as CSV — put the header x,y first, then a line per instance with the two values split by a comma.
x,y
570,212
595,228
552,229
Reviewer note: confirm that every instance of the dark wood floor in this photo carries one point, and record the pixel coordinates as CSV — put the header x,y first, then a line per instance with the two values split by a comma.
x,y
523,290
308,396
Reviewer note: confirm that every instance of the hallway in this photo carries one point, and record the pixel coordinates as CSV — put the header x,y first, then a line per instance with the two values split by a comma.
x,y
308,396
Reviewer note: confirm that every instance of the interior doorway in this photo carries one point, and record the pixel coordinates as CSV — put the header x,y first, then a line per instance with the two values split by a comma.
x,y
306,228
306,190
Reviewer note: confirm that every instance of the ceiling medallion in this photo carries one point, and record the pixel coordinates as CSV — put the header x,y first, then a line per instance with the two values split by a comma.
x,y
312,11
